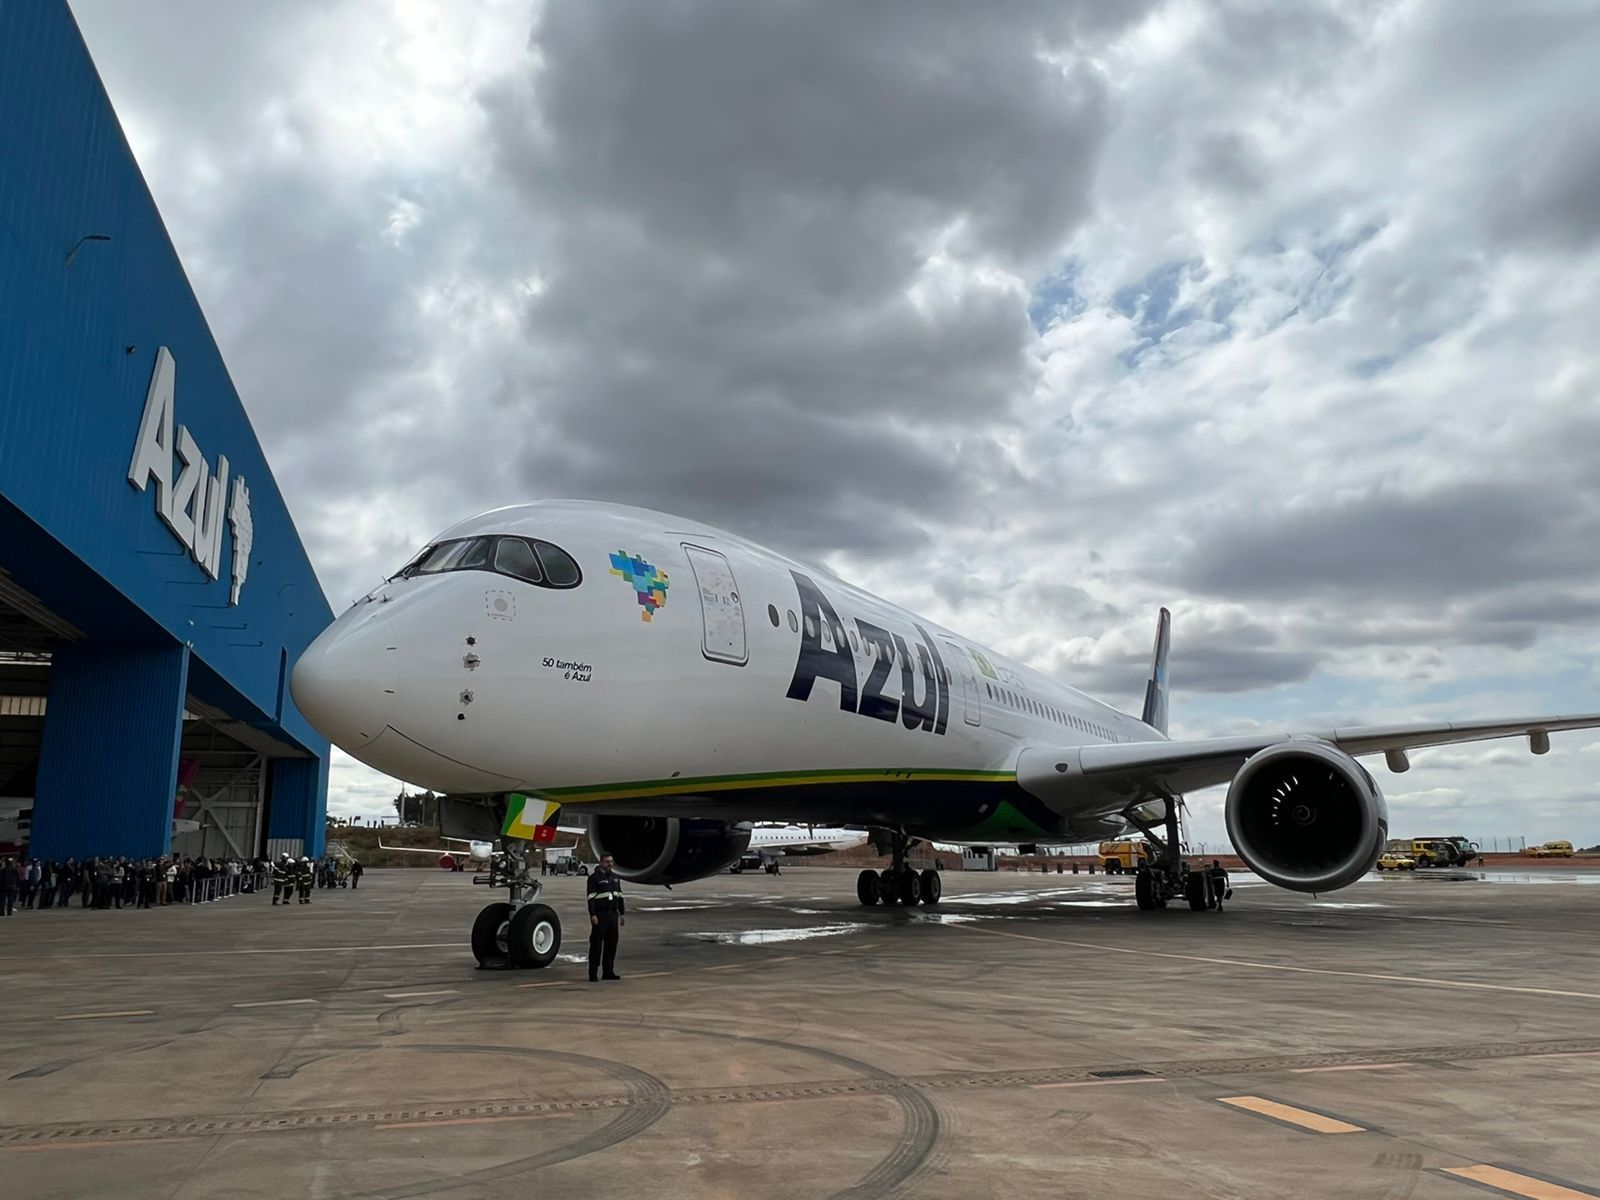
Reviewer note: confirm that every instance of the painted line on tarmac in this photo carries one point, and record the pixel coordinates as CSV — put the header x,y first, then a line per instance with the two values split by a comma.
x,y
271,1003
552,1116
408,995
293,950
726,967
1261,966
93,1145
1515,1183
1288,1114
130,1012
550,983
1389,1066
651,975
1082,1083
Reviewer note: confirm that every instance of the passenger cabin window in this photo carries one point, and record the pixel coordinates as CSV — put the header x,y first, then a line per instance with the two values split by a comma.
x,y
529,560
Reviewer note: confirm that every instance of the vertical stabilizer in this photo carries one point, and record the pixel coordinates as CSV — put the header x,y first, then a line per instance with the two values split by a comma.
x,y
1155,690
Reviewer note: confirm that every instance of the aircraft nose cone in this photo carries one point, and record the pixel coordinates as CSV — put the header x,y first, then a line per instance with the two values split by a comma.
x,y
345,682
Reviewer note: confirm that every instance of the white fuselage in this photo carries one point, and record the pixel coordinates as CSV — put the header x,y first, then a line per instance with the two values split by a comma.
x,y
689,672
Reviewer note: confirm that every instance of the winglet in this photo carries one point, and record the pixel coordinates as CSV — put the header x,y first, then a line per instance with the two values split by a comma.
x,y
1155,689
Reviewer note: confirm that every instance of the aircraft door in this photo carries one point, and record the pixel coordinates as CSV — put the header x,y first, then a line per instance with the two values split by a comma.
x,y
965,682
720,609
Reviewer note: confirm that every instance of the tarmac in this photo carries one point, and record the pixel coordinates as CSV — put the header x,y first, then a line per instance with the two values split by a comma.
x,y
1428,1035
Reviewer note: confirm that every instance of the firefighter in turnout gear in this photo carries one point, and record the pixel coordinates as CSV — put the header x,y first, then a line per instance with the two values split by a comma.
x,y
605,918
305,876
282,880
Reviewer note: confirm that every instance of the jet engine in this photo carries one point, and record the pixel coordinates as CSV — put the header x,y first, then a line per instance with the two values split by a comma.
x,y
1307,816
668,849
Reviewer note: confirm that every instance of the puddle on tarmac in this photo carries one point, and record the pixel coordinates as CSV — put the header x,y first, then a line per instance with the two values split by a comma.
x,y
939,918
674,907
764,937
1346,904
1516,877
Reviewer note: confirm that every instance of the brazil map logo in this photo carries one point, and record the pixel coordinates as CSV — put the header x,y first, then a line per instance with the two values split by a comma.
x,y
649,585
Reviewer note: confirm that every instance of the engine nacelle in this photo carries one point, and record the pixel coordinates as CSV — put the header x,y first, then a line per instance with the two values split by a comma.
x,y
668,849
1307,816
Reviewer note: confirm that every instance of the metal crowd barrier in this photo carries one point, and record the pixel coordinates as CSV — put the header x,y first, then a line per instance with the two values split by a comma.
x,y
220,887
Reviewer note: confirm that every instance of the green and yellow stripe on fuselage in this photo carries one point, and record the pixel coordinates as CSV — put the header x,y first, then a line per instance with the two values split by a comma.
x,y
932,800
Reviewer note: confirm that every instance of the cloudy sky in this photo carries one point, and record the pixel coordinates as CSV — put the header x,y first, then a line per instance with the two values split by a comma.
x,y
1029,316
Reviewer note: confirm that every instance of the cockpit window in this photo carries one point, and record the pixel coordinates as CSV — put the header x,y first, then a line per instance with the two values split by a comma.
x,y
455,556
559,569
513,556
521,558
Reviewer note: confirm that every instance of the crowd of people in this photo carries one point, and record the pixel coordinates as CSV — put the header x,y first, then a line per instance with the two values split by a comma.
x,y
36,883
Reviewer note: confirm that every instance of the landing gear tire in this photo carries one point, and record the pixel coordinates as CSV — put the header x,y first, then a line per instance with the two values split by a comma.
x,y
1144,891
772,868
534,936
909,887
1199,891
867,888
490,944
888,887
931,886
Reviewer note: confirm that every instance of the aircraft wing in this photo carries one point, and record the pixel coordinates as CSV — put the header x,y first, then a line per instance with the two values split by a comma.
x,y
433,850
1174,767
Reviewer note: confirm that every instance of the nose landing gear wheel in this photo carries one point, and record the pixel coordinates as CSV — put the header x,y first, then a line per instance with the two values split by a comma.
x,y
867,887
1199,891
1144,891
490,944
931,886
534,936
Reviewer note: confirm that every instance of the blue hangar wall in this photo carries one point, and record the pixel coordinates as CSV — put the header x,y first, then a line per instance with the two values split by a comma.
x,y
195,585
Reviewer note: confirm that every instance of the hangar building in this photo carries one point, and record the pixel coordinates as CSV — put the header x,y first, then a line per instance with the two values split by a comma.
x,y
154,593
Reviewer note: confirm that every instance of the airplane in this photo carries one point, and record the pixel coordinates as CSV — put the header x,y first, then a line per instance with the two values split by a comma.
x,y
674,682
769,843
478,853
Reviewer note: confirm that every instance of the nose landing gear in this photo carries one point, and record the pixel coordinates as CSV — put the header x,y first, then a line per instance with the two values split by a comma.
x,y
520,932
898,883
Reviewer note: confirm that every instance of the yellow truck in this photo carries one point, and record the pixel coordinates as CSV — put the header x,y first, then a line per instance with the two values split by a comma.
x,y
1126,857
1557,849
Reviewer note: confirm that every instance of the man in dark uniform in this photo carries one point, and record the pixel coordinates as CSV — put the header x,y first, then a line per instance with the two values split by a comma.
x,y
1219,883
306,877
606,916
282,880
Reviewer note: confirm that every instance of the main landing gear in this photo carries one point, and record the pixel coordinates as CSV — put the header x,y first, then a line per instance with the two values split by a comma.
x,y
899,883
1168,877
520,932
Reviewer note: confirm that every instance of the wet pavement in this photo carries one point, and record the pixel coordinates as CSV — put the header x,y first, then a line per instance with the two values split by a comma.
x,y
1418,1035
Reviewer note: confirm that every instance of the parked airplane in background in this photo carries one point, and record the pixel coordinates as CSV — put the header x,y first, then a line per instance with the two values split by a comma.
x,y
674,682
769,843
477,853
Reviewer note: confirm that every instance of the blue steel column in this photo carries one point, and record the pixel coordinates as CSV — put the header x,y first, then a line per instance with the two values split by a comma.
x,y
108,763
298,802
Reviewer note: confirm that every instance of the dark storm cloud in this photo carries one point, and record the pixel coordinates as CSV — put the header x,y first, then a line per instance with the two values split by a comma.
x,y
743,317
1213,651
1385,546
1549,196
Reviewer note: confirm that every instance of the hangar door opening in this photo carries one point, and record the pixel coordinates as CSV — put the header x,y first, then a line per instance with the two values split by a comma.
x,y
720,610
